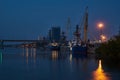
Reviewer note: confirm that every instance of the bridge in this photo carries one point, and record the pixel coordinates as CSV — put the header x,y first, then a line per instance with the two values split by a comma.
x,y
24,41
20,40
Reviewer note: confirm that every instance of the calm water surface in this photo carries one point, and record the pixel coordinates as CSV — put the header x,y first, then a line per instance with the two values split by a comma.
x,y
36,64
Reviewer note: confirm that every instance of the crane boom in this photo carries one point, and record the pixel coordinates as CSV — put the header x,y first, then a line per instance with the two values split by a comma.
x,y
85,25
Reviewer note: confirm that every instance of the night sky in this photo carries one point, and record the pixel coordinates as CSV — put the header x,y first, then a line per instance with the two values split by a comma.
x,y
27,19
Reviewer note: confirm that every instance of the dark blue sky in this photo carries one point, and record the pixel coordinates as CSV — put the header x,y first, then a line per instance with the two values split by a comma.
x,y
26,19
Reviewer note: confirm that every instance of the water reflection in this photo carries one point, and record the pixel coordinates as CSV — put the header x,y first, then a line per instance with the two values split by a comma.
x,y
70,57
1,57
99,73
30,52
34,54
52,65
54,55
27,54
80,61
57,55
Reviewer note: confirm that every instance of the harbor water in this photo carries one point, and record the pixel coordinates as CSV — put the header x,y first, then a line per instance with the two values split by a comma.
x,y
38,64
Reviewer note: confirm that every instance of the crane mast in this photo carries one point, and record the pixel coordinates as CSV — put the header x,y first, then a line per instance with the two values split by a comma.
x,y
85,25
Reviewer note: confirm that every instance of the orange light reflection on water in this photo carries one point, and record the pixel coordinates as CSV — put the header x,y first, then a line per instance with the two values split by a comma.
x,y
54,55
99,73
29,52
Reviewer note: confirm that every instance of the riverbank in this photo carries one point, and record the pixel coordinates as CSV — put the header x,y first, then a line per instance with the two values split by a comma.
x,y
110,52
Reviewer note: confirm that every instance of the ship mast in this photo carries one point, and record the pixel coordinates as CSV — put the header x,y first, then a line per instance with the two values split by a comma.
x,y
85,25
77,34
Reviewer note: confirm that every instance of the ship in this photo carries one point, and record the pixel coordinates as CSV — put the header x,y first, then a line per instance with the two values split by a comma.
x,y
79,46
55,46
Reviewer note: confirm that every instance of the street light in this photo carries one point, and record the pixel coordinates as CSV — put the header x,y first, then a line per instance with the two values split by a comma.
x,y
103,38
100,26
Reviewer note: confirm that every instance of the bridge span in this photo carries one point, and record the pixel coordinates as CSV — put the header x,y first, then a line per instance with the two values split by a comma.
x,y
21,40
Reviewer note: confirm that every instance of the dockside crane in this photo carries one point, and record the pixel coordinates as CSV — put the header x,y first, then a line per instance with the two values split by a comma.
x,y
85,25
